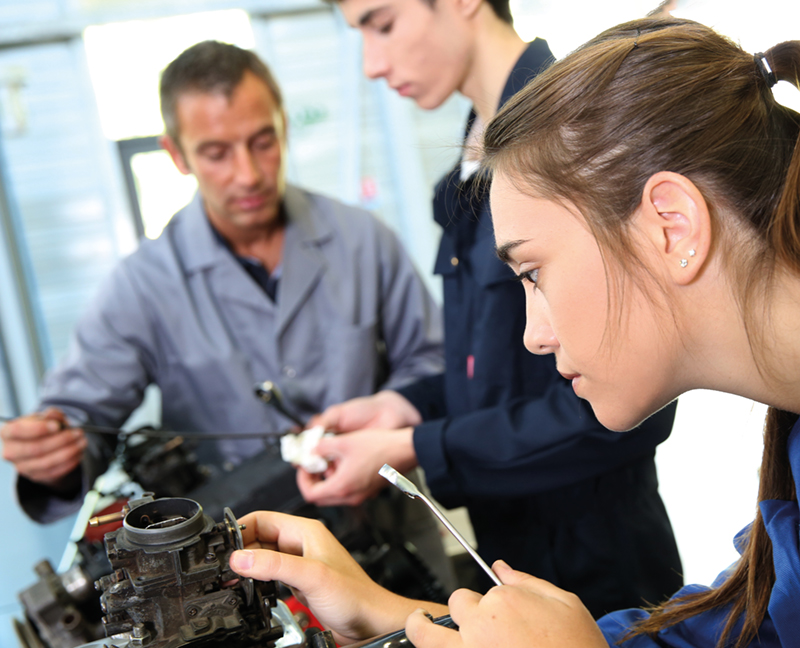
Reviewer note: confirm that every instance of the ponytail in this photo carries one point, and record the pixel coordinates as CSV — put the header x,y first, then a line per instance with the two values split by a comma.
x,y
748,589
785,62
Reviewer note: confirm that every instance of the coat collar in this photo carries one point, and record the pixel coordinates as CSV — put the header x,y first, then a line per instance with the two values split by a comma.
x,y
302,264
454,196
536,57
199,247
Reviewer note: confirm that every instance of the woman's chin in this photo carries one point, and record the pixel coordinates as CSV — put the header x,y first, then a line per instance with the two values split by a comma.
x,y
618,418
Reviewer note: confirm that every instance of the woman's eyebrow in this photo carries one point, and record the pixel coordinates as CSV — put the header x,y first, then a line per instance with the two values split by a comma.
x,y
504,251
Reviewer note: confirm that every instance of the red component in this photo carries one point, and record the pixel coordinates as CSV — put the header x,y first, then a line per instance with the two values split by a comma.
x,y
298,609
96,534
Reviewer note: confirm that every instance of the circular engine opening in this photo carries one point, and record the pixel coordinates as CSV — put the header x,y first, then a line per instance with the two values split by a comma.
x,y
164,521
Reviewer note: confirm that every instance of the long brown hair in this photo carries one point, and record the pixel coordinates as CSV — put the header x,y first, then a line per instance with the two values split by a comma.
x,y
673,95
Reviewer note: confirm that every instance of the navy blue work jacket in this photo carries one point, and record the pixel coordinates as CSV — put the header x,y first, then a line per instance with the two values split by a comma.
x,y
501,422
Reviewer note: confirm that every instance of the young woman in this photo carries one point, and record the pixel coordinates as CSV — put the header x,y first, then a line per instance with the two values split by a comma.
x,y
649,181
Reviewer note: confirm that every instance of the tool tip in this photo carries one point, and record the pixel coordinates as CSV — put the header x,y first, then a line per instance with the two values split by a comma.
x,y
387,472
403,483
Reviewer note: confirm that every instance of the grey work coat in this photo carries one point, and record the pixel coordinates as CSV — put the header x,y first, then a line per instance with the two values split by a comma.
x,y
352,315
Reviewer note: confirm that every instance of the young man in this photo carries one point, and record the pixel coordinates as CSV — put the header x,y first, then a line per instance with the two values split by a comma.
x,y
254,280
548,489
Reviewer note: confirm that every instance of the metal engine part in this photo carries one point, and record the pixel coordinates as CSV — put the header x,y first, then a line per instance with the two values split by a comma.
x,y
168,469
172,585
62,610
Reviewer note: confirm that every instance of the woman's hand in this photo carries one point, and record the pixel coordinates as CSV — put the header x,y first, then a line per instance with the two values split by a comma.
x,y
525,612
304,555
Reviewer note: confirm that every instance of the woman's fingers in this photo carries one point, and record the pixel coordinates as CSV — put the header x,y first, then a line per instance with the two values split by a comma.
x,y
424,633
283,532
263,564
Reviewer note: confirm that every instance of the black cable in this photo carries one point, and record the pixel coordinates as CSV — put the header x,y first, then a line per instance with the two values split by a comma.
x,y
159,434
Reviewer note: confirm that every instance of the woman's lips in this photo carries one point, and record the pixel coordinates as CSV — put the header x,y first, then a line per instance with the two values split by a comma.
x,y
574,378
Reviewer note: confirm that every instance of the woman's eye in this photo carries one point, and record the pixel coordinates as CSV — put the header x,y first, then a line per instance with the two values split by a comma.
x,y
385,28
531,276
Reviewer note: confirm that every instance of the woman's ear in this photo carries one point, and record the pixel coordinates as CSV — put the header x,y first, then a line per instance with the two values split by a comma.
x,y
674,216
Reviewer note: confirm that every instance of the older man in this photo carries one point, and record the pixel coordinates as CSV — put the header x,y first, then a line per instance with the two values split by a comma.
x,y
254,280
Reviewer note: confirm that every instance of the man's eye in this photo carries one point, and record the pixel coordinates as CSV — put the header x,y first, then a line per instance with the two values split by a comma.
x,y
215,154
531,276
265,143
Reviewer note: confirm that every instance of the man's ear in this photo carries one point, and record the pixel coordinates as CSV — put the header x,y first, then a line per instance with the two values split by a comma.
x,y
675,217
468,8
175,152
285,119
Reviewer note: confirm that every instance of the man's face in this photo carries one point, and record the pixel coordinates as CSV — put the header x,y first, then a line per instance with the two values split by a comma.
x,y
235,148
421,50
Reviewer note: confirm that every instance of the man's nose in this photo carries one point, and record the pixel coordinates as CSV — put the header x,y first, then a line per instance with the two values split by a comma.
x,y
376,63
247,171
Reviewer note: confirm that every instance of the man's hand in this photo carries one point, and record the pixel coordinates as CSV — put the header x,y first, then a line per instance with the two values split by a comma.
x,y
354,461
525,612
386,410
42,448
304,555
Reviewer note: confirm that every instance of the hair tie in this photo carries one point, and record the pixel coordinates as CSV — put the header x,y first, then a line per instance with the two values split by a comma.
x,y
766,71
636,42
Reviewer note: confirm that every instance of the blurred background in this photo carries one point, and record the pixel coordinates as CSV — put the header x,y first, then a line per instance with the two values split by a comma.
x,y
82,179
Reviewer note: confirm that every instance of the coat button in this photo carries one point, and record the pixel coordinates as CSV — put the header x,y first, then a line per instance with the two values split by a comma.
x,y
289,371
454,261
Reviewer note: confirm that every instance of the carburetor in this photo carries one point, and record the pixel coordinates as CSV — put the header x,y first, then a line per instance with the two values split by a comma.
x,y
172,585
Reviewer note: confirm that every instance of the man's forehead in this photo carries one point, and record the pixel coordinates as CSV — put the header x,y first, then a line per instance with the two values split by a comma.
x,y
359,13
213,115
249,82
249,91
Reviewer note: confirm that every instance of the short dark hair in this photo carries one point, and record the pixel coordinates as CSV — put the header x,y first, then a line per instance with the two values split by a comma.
x,y
500,7
209,66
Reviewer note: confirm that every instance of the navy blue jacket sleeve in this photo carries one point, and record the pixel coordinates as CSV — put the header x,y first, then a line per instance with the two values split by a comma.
x,y
526,446
427,395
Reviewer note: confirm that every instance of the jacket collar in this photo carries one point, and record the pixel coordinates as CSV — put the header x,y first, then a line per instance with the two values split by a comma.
x,y
200,248
453,196
302,264
536,57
